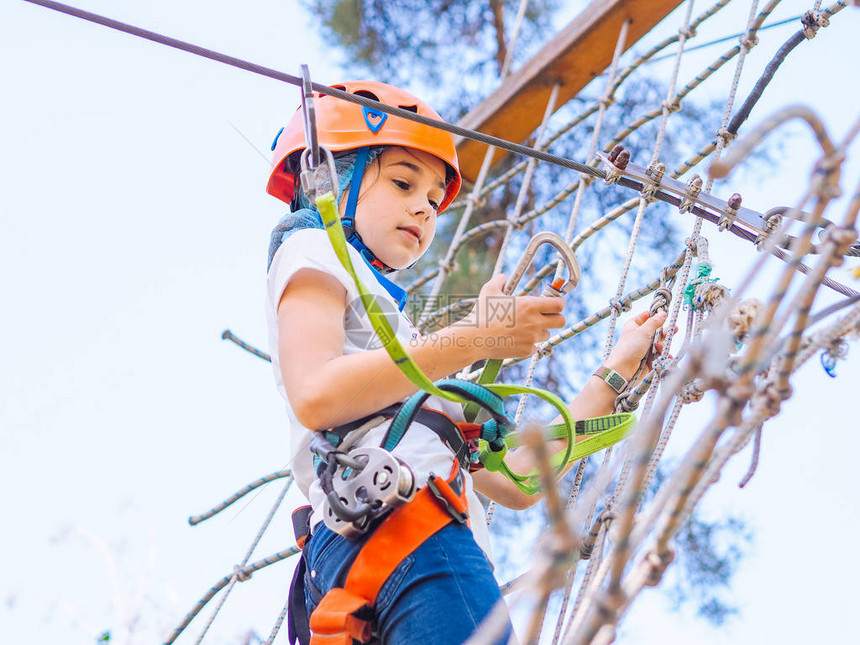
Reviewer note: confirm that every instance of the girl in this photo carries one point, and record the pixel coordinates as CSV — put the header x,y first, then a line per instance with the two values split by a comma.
x,y
396,176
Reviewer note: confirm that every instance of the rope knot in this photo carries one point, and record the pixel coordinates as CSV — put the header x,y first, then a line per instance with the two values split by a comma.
x,y
687,32
241,574
672,106
692,296
662,298
825,182
448,267
666,274
606,101
748,41
691,393
835,350
741,320
708,295
842,238
626,402
726,136
769,398
658,563
810,23
544,350
620,305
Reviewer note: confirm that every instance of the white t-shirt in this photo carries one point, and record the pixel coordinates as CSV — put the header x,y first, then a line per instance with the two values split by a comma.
x,y
420,447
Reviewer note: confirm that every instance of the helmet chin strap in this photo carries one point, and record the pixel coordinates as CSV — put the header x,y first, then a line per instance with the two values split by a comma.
x,y
352,236
348,219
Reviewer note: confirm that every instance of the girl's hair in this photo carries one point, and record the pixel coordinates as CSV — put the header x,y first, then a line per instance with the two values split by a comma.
x,y
344,165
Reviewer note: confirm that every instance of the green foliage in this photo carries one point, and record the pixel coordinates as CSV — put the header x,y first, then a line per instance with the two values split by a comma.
x,y
449,47
708,555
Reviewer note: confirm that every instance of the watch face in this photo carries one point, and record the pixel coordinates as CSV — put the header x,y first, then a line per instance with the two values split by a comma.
x,y
616,381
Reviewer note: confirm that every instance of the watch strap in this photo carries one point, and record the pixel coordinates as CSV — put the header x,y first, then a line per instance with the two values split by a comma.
x,y
612,378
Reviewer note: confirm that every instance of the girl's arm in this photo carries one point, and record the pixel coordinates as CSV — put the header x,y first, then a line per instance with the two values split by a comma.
x,y
327,388
595,399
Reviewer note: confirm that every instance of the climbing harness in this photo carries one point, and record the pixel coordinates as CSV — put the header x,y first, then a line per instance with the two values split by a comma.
x,y
346,614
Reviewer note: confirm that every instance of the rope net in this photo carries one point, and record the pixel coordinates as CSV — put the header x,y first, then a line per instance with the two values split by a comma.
x,y
607,541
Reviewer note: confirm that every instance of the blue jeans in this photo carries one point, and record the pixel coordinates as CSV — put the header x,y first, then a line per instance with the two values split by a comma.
x,y
436,596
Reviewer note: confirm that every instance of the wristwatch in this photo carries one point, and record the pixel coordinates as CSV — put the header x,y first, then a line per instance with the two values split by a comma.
x,y
613,379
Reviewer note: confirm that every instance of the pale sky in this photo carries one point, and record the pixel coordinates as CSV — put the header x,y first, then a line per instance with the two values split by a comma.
x,y
134,230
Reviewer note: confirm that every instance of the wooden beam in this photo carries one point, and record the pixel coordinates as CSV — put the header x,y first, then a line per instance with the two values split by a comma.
x,y
579,53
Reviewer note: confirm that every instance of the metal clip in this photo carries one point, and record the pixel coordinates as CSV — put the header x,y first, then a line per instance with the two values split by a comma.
x,y
567,256
311,155
655,173
309,117
615,163
309,184
730,213
443,492
694,187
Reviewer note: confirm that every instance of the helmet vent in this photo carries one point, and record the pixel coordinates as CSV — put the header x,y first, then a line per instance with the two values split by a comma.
x,y
409,108
368,95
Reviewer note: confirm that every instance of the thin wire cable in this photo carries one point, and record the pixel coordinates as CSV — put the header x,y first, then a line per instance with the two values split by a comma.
x,y
323,89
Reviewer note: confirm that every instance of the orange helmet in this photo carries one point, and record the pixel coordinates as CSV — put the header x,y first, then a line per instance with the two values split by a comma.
x,y
347,126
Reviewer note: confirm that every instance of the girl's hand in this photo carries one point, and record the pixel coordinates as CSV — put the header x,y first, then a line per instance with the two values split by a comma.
x,y
634,342
509,327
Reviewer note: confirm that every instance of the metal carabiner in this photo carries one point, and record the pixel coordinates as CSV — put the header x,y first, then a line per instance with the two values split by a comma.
x,y
567,256
306,176
309,117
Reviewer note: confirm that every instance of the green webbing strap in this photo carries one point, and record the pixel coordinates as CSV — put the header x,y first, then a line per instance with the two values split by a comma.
x,y
599,439
491,370
605,431
481,396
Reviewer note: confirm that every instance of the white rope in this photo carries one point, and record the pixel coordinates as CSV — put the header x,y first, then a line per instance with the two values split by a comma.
x,y
509,55
522,195
238,571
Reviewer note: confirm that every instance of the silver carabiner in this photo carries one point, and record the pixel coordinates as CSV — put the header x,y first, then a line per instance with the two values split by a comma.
x,y
567,256
306,176
309,118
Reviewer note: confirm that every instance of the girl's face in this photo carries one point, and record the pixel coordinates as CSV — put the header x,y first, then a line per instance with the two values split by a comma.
x,y
396,210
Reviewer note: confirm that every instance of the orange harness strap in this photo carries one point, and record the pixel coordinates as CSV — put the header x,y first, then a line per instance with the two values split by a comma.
x,y
346,614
